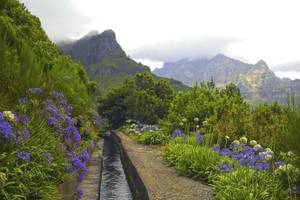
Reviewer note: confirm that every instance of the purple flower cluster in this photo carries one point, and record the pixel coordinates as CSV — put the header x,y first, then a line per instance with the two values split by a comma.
x,y
24,155
249,156
59,115
6,130
225,168
200,138
178,133
140,127
78,164
23,134
18,125
92,146
59,118
21,119
79,193
57,95
48,157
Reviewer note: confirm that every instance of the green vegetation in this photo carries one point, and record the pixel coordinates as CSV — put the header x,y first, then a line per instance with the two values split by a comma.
x,y
142,99
205,131
46,110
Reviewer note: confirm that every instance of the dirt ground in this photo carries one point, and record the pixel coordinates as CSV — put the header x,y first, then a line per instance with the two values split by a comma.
x,y
161,181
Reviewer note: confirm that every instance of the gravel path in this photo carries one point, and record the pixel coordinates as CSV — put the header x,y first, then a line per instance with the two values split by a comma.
x,y
161,181
90,185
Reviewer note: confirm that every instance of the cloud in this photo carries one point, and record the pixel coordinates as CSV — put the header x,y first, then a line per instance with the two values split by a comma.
x,y
191,48
61,18
288,67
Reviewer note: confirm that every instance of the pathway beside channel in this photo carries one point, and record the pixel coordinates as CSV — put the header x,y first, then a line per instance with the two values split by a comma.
x,y
161,181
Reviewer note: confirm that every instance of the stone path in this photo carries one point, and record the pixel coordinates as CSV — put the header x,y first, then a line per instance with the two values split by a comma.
x,y
161,181
90,185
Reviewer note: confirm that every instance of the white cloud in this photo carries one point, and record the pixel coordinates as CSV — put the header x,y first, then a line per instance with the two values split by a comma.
x,y
153,64
266,29
290,74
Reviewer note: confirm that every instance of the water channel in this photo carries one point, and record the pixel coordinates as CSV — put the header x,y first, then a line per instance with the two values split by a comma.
x,y
114,185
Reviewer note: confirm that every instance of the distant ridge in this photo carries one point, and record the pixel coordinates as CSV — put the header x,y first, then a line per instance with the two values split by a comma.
x,y
256,81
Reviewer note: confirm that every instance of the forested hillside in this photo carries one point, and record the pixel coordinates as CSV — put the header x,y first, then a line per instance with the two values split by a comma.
x,y
46,110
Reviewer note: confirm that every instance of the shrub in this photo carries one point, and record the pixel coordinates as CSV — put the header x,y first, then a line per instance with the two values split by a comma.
x,y
150,137
196,161
248,184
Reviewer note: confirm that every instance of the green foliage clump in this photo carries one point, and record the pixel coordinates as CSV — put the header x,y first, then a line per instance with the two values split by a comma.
x,y
150,137
248,184
195,161
29,59
142,99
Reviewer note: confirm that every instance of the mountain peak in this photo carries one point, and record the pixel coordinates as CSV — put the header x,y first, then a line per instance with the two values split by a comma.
x,y
220,55
108,33
261,63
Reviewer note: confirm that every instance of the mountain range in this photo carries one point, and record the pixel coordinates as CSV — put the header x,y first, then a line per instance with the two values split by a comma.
x,y
105,61
108,65
257,82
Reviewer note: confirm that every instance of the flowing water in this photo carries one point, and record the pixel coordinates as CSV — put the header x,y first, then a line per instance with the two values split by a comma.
x,y
114,184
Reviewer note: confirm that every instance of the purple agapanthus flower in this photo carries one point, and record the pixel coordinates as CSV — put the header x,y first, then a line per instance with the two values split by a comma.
x,y
79,193
279,163
22,119
23,134
200,138
84,155
24,155
49,157
80,177
225,168
58,95
69,170
262,166
92,145
6,130
176,133
216,148
225,152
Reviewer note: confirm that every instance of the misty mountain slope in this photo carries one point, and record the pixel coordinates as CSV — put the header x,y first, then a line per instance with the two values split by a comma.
x,y
105,60
221,68
256,82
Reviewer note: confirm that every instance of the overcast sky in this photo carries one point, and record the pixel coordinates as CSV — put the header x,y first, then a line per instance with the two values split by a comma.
x,y
168,30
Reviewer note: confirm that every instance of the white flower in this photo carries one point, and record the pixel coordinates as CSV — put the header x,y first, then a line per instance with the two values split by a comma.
x,y
9,115
268,150
290,153
257,146
243,140
268,157
196,119
184,120
282,167
236,142
227,137
289,167
180,124
253,143
197,126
